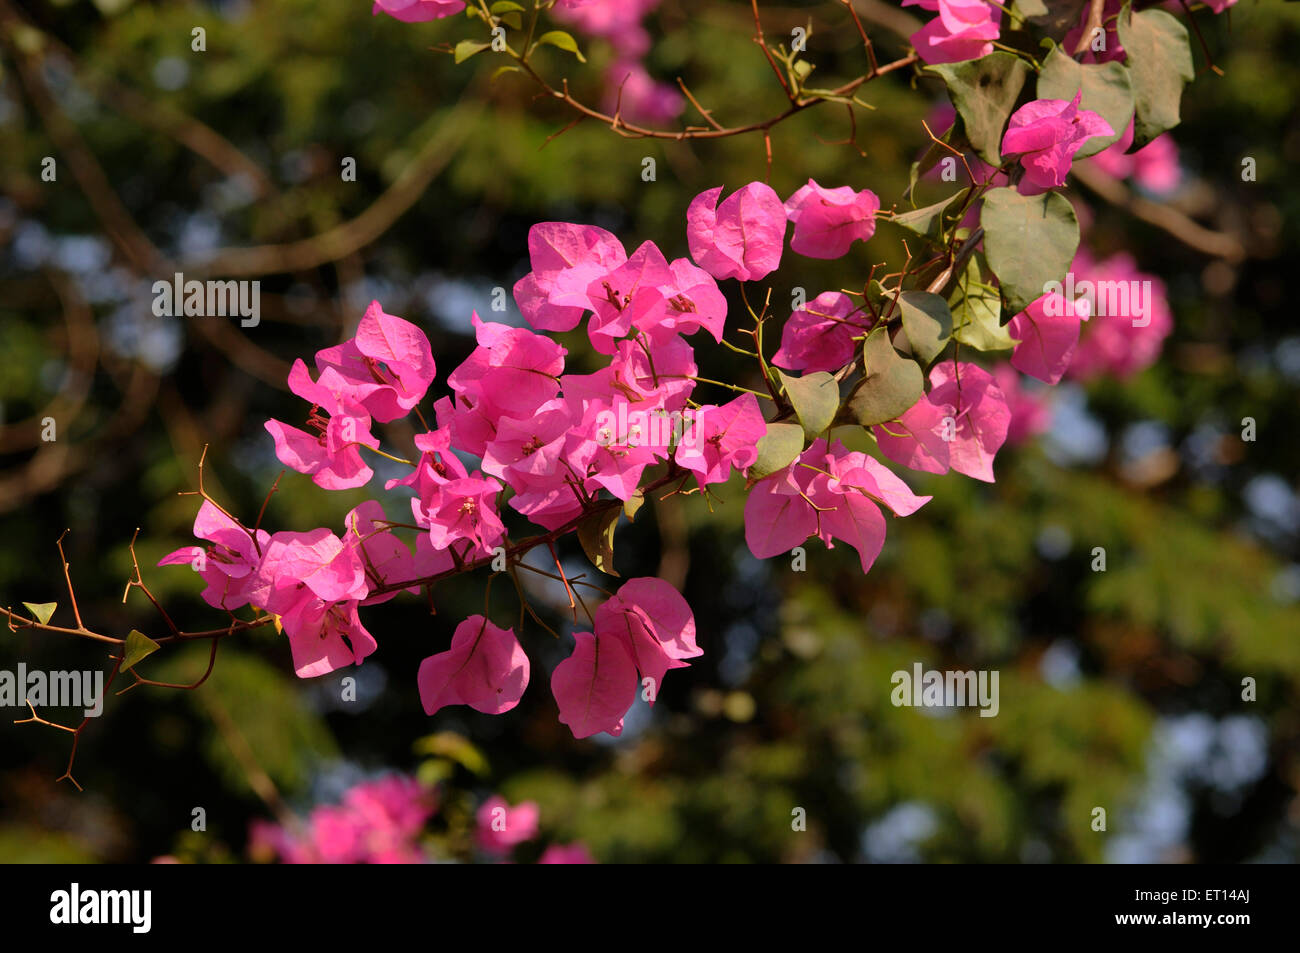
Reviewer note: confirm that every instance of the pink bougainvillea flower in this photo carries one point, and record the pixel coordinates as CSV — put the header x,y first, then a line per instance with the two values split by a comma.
x,y
740,238
1130,317
559,249
604,18
566,854
919,438
315,563
654,623
779,512
325,636
377,822
1046,134
501,827
526,453
332,457
1047,332
229,564
1031,413
688,302
831,493
1154,167
603,456
509,374
464,509
635,95
963,30
618,297
819,336
418,11
720,439
856,470
385,557
979,413
403,348
828,221
485,668
660,372
549,508
596,685
386,368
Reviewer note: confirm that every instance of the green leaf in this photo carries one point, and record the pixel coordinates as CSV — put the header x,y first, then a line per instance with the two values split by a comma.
x,y
502,70
633,504
984,92
891,385
1160,61
1030,240
138,647
505,6
815,399
562,40
977,311
777,449
596,534
41,611
927,221
1107,89
453,747
927,322
1030,8
467,48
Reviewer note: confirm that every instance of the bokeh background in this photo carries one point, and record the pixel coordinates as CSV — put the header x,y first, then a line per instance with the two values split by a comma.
x,y
1119,689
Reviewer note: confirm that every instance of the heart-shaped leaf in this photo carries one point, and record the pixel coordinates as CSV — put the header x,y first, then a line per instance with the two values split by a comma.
x,y
977,311
1030,241
1160,61
633,504
41,611
984,92
927,322
927,221
890,386
815,399
596,534
777,449
138,647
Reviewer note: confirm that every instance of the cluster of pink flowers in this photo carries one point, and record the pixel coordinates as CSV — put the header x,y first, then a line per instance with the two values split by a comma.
x,y
377,822
1125,312
1154,167
517,426
963,30
630,89
1046,134
382,822
501,828
418,11
1129,317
